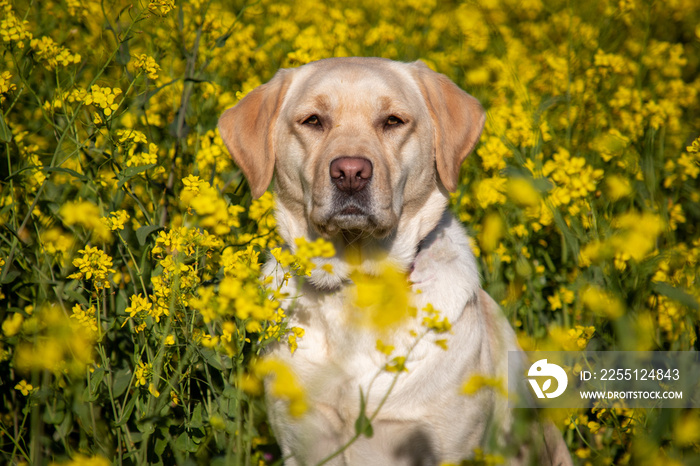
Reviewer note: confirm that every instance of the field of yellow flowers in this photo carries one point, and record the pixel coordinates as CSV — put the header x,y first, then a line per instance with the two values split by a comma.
x,y
132,307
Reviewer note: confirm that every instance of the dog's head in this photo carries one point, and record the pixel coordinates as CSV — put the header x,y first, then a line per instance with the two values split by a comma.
x,y
357,144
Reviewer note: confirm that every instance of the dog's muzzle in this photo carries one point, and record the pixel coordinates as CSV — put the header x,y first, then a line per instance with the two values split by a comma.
x,y
352,201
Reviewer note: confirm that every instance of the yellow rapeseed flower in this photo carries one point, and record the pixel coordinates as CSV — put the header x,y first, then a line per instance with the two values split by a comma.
x,y
116,220
478,381
381,302
87,215
24,387
6,85
52,54
12,324
284,384
59,344
602,303
148,65
103,98
161,7
521,192
142,374
94,265
491,191
12,29
491,233
295,333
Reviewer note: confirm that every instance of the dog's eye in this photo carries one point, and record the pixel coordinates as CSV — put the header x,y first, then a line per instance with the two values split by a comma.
x,y
312,120
393,120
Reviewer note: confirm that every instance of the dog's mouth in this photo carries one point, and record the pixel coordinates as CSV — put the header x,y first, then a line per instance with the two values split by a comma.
x,y
353,210
353,215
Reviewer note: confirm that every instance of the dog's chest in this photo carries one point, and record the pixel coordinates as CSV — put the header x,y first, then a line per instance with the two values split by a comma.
x,y
337,356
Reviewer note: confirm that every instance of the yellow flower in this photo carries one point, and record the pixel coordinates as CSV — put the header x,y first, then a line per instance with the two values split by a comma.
x,y
152,390
491,233
80,460
478,381
148,65
24,387
12,29
116,220
60,344
491,191
52,54
161,7
602,303
95,265
383,348
6,86
581,335
296,332
617,187
306,251
433,321
687,429
522,192
554,302
284,384
103,98
85,317
12,324
141,308
381,302
87,215
143,372
398,364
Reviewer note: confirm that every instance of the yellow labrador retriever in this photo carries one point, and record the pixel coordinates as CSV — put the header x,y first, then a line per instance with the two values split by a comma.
x,y
365,151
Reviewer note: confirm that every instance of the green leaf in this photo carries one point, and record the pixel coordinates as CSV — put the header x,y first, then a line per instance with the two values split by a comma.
x,y
70,172
54,413
185,443
161,442
143,232
363,426
5,133
196,419
96,379
124,55
131,172
216,360
676,294
128,409
121,382
91,391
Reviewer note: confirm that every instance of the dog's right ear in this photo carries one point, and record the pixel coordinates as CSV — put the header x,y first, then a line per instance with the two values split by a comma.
x,y
247,130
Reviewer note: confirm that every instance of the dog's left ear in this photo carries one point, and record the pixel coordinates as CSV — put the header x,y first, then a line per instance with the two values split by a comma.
x,y
458,119
247,130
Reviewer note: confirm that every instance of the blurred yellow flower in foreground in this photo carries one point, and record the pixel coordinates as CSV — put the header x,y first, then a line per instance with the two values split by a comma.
x,y
381,302
283,384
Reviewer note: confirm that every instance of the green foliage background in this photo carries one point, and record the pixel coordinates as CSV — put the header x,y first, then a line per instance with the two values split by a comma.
x,y
132,305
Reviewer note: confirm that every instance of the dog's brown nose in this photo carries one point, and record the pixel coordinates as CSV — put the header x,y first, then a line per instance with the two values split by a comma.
x,y
351,174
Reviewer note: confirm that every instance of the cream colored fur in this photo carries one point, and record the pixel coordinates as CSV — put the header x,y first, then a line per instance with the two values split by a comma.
x,y
425,420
